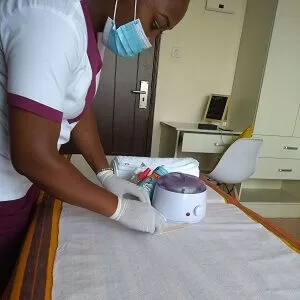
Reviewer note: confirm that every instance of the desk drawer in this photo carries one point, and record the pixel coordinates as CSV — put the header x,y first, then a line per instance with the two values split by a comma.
x,y
280,147
272,168
206,143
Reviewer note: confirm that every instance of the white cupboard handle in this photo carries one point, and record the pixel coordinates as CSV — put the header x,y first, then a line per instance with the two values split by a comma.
x,y
221,145
290,148
285,170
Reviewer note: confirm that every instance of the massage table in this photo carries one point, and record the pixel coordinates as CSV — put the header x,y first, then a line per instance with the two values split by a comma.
x,y
51,267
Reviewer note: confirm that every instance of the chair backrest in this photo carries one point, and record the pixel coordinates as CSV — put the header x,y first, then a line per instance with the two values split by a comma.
x,y
239,161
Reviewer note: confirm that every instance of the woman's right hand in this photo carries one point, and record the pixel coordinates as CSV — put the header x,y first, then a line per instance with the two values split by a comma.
x,y
138,216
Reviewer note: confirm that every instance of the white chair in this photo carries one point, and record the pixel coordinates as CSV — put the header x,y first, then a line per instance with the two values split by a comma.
x,y
238,162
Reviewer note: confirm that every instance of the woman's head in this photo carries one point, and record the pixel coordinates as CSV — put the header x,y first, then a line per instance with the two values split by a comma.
x,y
159,15
156,15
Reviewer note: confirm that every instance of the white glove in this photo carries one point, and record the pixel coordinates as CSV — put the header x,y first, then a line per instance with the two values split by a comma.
x,y
121,187
138,216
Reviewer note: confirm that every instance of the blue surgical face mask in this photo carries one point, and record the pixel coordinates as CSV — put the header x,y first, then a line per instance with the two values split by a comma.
x,y
129,39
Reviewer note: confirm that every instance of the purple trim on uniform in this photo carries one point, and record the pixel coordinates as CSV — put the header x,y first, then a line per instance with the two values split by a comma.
x,y
35,107
94,58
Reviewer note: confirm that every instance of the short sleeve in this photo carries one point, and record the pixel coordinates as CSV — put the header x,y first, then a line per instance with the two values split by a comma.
x,y
40,49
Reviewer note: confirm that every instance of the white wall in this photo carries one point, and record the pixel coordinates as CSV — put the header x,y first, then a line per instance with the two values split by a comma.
x,y
209,44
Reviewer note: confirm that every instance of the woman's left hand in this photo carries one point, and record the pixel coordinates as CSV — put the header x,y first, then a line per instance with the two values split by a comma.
x,y
121,187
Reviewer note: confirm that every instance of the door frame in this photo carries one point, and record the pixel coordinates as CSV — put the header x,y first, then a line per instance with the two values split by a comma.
x,y
153,95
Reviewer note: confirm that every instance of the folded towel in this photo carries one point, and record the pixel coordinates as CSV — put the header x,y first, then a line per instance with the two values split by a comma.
x,y
125,165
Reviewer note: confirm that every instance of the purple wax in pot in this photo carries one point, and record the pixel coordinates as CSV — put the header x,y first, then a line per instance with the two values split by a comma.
x,y
181,183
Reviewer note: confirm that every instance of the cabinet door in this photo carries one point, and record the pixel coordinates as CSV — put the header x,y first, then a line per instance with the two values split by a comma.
x,y
297,126
280,93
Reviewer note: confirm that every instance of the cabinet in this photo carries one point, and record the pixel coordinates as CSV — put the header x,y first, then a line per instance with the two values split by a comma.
x,y
206,143
185,139
280,147
280,169
266,93
297,126
266,89
279,100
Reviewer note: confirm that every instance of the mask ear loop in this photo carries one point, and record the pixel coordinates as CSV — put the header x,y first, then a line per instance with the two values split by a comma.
x,y
115,11
116,5
135,8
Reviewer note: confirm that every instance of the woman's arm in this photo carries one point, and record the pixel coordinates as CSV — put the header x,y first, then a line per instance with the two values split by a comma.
x,y
39,69
87,140
34,154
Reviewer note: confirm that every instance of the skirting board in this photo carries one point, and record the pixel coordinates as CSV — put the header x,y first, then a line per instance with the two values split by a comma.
x,y
275,210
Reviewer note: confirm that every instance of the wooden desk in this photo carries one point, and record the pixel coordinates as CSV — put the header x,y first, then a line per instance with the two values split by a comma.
x,y
184,139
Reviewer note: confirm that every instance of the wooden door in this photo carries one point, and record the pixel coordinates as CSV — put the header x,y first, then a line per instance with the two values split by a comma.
x,y
124,127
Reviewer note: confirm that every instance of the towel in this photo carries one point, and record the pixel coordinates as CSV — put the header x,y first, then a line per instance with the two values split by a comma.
x,y
226,256
124,166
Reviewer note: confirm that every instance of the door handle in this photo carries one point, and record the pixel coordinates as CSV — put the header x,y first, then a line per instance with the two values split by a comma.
x,y
143,94
138,92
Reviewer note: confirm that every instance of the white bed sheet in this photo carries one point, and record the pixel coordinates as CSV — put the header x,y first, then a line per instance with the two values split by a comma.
x,y
227,256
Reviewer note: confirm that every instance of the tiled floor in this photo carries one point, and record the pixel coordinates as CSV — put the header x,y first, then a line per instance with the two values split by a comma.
x,y
292,226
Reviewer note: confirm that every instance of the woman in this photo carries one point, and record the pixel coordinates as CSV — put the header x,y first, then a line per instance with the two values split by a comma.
x,y
49,67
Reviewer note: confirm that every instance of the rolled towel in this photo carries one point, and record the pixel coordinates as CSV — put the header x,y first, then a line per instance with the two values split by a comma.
x,y
125,165
136,160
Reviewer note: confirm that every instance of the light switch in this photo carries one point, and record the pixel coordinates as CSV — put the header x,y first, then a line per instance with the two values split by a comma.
x,y
176,52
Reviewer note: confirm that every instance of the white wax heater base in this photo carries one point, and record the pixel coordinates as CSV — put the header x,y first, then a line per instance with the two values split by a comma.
x,y
180,198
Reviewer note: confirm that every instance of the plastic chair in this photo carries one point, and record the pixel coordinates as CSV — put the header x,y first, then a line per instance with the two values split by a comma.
x,y
238,162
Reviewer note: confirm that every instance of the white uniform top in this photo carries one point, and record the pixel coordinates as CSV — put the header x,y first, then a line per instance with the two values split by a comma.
x,y
49,65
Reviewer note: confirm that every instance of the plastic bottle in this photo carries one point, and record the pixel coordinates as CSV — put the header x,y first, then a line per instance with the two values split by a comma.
x,y
143,175
135,177
148,184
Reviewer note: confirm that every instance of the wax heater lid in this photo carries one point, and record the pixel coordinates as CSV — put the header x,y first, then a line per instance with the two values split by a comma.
x,y
181,183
